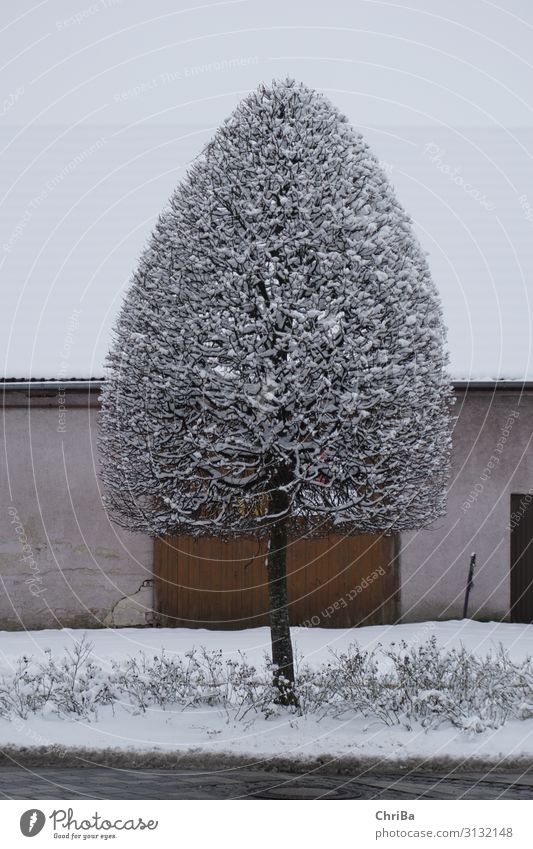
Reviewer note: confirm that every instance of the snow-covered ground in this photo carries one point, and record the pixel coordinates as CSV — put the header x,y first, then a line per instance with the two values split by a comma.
x,y
210,730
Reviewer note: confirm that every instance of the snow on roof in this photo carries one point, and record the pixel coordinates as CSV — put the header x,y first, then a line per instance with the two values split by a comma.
x,y
81,202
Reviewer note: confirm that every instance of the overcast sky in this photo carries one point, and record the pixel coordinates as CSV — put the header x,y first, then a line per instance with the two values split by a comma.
x,y
105,104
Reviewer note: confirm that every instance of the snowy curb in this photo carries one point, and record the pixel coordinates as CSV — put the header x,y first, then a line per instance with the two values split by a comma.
x,y
39,756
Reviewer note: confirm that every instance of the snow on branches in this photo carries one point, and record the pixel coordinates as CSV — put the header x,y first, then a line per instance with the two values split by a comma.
x,y
282,333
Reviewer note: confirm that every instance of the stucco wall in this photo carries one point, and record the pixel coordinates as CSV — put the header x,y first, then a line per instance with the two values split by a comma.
x,y
62,563
492,458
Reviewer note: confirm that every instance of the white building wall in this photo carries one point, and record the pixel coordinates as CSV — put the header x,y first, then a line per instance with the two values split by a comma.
x,y
492,458
62,563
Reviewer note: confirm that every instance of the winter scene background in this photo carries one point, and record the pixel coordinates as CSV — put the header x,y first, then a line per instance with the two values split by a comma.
x,y
107,107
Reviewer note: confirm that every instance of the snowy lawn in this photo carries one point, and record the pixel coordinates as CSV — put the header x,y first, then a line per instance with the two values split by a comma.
x,y
215,730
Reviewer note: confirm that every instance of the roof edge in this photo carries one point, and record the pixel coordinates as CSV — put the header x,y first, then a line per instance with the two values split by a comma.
x,y
492,385
94,384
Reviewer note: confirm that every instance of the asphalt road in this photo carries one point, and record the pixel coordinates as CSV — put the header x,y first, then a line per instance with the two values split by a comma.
x,y
54,782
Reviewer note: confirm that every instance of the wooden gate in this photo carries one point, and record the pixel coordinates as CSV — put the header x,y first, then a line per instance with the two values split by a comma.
x,y
335,582
521,558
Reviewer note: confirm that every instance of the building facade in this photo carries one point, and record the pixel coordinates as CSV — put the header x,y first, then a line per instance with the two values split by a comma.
x,y
63,564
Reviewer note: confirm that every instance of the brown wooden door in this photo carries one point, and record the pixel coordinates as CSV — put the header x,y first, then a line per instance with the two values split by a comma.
x,y
521,558
334,582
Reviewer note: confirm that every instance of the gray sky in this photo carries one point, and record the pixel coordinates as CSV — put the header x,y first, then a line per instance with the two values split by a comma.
x,y
460,63
105,104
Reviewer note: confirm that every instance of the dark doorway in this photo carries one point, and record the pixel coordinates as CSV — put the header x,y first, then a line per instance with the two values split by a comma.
x,y
522,558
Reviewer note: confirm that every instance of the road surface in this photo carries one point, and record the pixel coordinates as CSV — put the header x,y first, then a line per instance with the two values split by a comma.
x,y
55,782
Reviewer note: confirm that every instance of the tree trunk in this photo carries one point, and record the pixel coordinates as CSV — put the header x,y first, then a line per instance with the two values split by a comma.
x,y
280,633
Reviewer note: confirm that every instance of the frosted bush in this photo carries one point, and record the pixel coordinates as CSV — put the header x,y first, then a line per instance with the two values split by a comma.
x,y
429,686
74,685
423,686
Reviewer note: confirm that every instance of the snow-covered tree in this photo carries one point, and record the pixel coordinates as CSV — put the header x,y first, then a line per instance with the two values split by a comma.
x,y
279,363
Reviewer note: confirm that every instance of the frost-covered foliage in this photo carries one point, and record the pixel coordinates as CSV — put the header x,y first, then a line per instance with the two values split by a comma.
x,y
428,686
198,678
74,685
423,687
281,333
